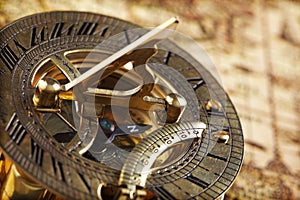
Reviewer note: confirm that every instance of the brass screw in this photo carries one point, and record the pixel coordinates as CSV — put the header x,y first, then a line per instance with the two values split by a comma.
x,y
221,136
213,105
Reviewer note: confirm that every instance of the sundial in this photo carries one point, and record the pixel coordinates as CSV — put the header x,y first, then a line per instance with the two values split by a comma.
x,y
94,107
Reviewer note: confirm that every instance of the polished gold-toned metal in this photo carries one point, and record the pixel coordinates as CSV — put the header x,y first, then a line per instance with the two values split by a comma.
x,y
15,185
221,136
176,105
19,186
47,94
213,104
5,165
48,110
154,100
142,97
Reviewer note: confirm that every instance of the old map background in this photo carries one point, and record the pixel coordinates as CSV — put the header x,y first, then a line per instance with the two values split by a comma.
x,y
255,46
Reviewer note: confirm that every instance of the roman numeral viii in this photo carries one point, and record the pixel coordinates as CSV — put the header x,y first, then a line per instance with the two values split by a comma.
x,y
15,129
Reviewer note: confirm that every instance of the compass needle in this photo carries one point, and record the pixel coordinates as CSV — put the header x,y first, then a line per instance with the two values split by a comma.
x,y
94,107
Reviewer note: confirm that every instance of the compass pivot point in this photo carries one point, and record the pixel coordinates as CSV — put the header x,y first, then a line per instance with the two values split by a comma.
x,y
46,95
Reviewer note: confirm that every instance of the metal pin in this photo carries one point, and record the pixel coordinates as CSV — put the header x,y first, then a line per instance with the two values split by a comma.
x,y
154,100
221,136
213,105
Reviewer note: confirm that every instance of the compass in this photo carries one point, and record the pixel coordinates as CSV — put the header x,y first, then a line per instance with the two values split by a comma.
x,y
94,107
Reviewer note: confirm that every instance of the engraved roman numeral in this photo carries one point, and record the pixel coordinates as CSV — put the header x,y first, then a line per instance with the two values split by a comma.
x,y
87,28
37,36
197,181
9,57
58,169
21,48
36,153
58,30
86,182
41,34
103,31
196,82
15,129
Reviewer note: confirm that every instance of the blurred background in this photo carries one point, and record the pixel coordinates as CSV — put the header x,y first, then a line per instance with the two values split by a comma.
x,y
255,46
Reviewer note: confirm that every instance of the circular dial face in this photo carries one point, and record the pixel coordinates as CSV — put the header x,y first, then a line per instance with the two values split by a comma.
x,y
154,118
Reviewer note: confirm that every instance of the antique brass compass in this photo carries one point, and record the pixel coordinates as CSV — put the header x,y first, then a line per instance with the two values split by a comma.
x,y
93,107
